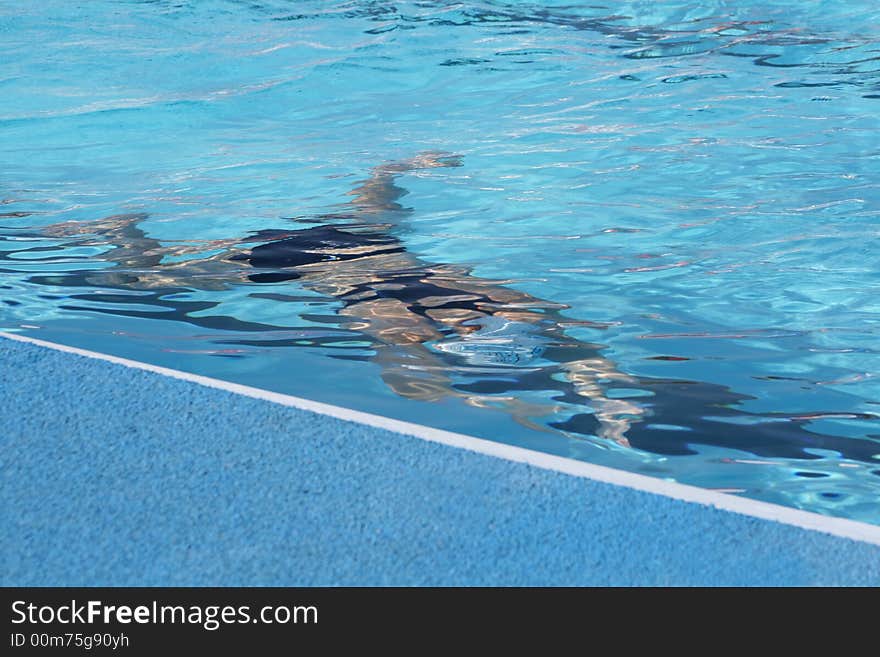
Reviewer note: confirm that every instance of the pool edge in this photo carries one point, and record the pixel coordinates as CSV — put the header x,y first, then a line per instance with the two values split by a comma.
x,y
840,527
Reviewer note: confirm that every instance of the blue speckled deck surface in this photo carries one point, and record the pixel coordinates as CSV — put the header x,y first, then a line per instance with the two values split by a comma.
x,y
115,476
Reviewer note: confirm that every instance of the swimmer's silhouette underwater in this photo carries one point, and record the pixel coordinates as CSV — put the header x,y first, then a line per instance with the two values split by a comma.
x,y
434,329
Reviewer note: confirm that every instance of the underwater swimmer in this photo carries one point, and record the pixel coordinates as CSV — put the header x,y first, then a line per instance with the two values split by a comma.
x,y
419,315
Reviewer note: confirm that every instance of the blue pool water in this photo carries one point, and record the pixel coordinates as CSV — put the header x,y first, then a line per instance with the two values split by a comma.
x,y
639,234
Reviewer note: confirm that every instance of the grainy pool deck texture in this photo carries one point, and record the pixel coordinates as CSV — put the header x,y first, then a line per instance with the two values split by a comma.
x,y
116,476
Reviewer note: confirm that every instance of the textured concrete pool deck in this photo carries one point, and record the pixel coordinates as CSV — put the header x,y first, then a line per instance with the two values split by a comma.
x,y
114,475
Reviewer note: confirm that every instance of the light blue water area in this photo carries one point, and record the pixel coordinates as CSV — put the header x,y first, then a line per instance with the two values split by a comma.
x,y
639,233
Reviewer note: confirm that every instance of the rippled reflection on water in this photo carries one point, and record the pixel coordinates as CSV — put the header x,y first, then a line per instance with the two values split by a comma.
x,y
647,229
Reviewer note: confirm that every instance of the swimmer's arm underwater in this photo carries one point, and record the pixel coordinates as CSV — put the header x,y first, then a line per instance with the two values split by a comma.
x,y
378,194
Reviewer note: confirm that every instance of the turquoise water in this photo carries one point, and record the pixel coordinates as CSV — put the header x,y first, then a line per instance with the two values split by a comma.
x,y
638,234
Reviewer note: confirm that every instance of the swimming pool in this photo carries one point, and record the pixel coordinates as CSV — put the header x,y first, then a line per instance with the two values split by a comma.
x,y
637,234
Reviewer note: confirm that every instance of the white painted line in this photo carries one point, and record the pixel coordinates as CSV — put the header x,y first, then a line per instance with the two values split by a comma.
x,y
851,529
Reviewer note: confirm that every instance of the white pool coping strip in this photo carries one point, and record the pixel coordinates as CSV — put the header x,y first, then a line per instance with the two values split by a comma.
x,y
841,527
